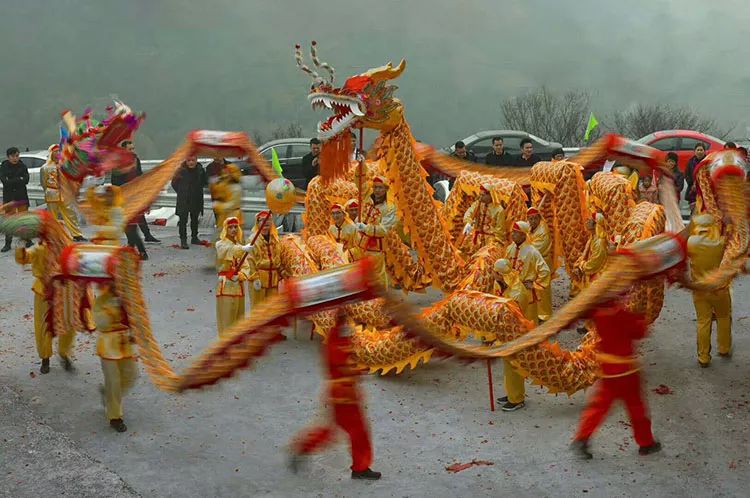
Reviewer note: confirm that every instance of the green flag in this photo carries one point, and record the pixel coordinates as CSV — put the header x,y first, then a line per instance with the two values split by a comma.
x,y
275,162
593,123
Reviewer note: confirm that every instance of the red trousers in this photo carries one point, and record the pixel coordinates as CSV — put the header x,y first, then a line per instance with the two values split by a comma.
x,y
628,389
349,418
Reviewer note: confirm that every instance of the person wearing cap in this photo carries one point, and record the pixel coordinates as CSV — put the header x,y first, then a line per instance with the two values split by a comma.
x,y
508,285
264,259
378,218
534,275
232,272
594,255
49,177
344,232
226,193
705,251
484,221
618,329
541,239
352,209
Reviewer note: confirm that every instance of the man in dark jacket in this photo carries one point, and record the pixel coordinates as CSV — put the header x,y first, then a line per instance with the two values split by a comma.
x,y
699,155
188,183
498,156
678,177
310,166
527,158
120,178
14,176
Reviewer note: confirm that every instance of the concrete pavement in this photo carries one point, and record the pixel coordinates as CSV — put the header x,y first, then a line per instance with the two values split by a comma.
x,y
230,439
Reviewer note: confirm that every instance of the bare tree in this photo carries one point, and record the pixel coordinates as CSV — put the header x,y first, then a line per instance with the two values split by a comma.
x,y
562,118
648,118
289,130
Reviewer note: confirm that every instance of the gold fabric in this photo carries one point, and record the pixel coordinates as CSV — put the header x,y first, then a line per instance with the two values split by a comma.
x,y
346,235
531,267
119,377
488,223
227,203
228,257
379,219
229,309
541,239
115,341
265,261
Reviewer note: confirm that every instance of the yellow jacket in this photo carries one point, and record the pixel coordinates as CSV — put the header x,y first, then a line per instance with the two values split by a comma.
x,y
265,261
346,235
379,219
49,176
705,253
228,256
594,256
542,240
36,257
487,219
529,264
115,341
227,202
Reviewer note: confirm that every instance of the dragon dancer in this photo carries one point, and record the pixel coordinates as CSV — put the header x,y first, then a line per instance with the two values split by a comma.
x,y
345,401
378,218
233,271
618,329
344,232
50,179
484,221
533,274
36,257
264,259
352,209
508,284
226,193
541,239
705,251
594,255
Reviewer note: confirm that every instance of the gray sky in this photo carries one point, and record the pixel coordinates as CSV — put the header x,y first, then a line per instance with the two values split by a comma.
x,y
228,64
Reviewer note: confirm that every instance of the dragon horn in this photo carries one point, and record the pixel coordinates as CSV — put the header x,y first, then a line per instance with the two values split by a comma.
x,y
324,65
301,64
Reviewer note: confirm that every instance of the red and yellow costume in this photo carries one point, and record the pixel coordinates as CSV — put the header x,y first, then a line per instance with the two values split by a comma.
x,y
541,239
264,260
377,220
50,179
226,193
352,209
531,267
345,234
618,329
484,222
230,287
705,251
115,348
36,257
512,288
343,395
594,255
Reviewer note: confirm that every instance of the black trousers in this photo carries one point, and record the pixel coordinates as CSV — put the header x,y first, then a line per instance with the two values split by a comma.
x,y
182,224
144,226
134,238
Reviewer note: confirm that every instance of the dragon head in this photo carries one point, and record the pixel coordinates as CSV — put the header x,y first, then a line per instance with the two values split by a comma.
x,y
363,101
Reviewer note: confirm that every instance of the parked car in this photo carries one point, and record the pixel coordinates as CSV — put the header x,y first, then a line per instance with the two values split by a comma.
x,y
480,144
682,142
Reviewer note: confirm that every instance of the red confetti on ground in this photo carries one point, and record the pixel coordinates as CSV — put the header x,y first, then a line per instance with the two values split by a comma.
x,y
732,465
27,316
162,222
175,246
663,389
206,243
32,375
458,467
190,309
160,274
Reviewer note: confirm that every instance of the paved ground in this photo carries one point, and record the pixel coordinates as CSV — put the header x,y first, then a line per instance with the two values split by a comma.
x,y
230,440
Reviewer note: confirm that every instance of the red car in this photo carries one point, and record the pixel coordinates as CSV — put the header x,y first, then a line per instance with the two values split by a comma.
x,y
682,142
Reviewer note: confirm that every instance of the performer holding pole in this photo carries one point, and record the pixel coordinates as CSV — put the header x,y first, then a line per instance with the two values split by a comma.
x,y
233,271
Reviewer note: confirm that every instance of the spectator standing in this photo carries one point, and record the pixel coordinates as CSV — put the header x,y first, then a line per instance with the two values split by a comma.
x,y
677,177
460,151
498,156
527,158
558,154
698,155
188,183
647,190
14,176
120,178
142,224
310,166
